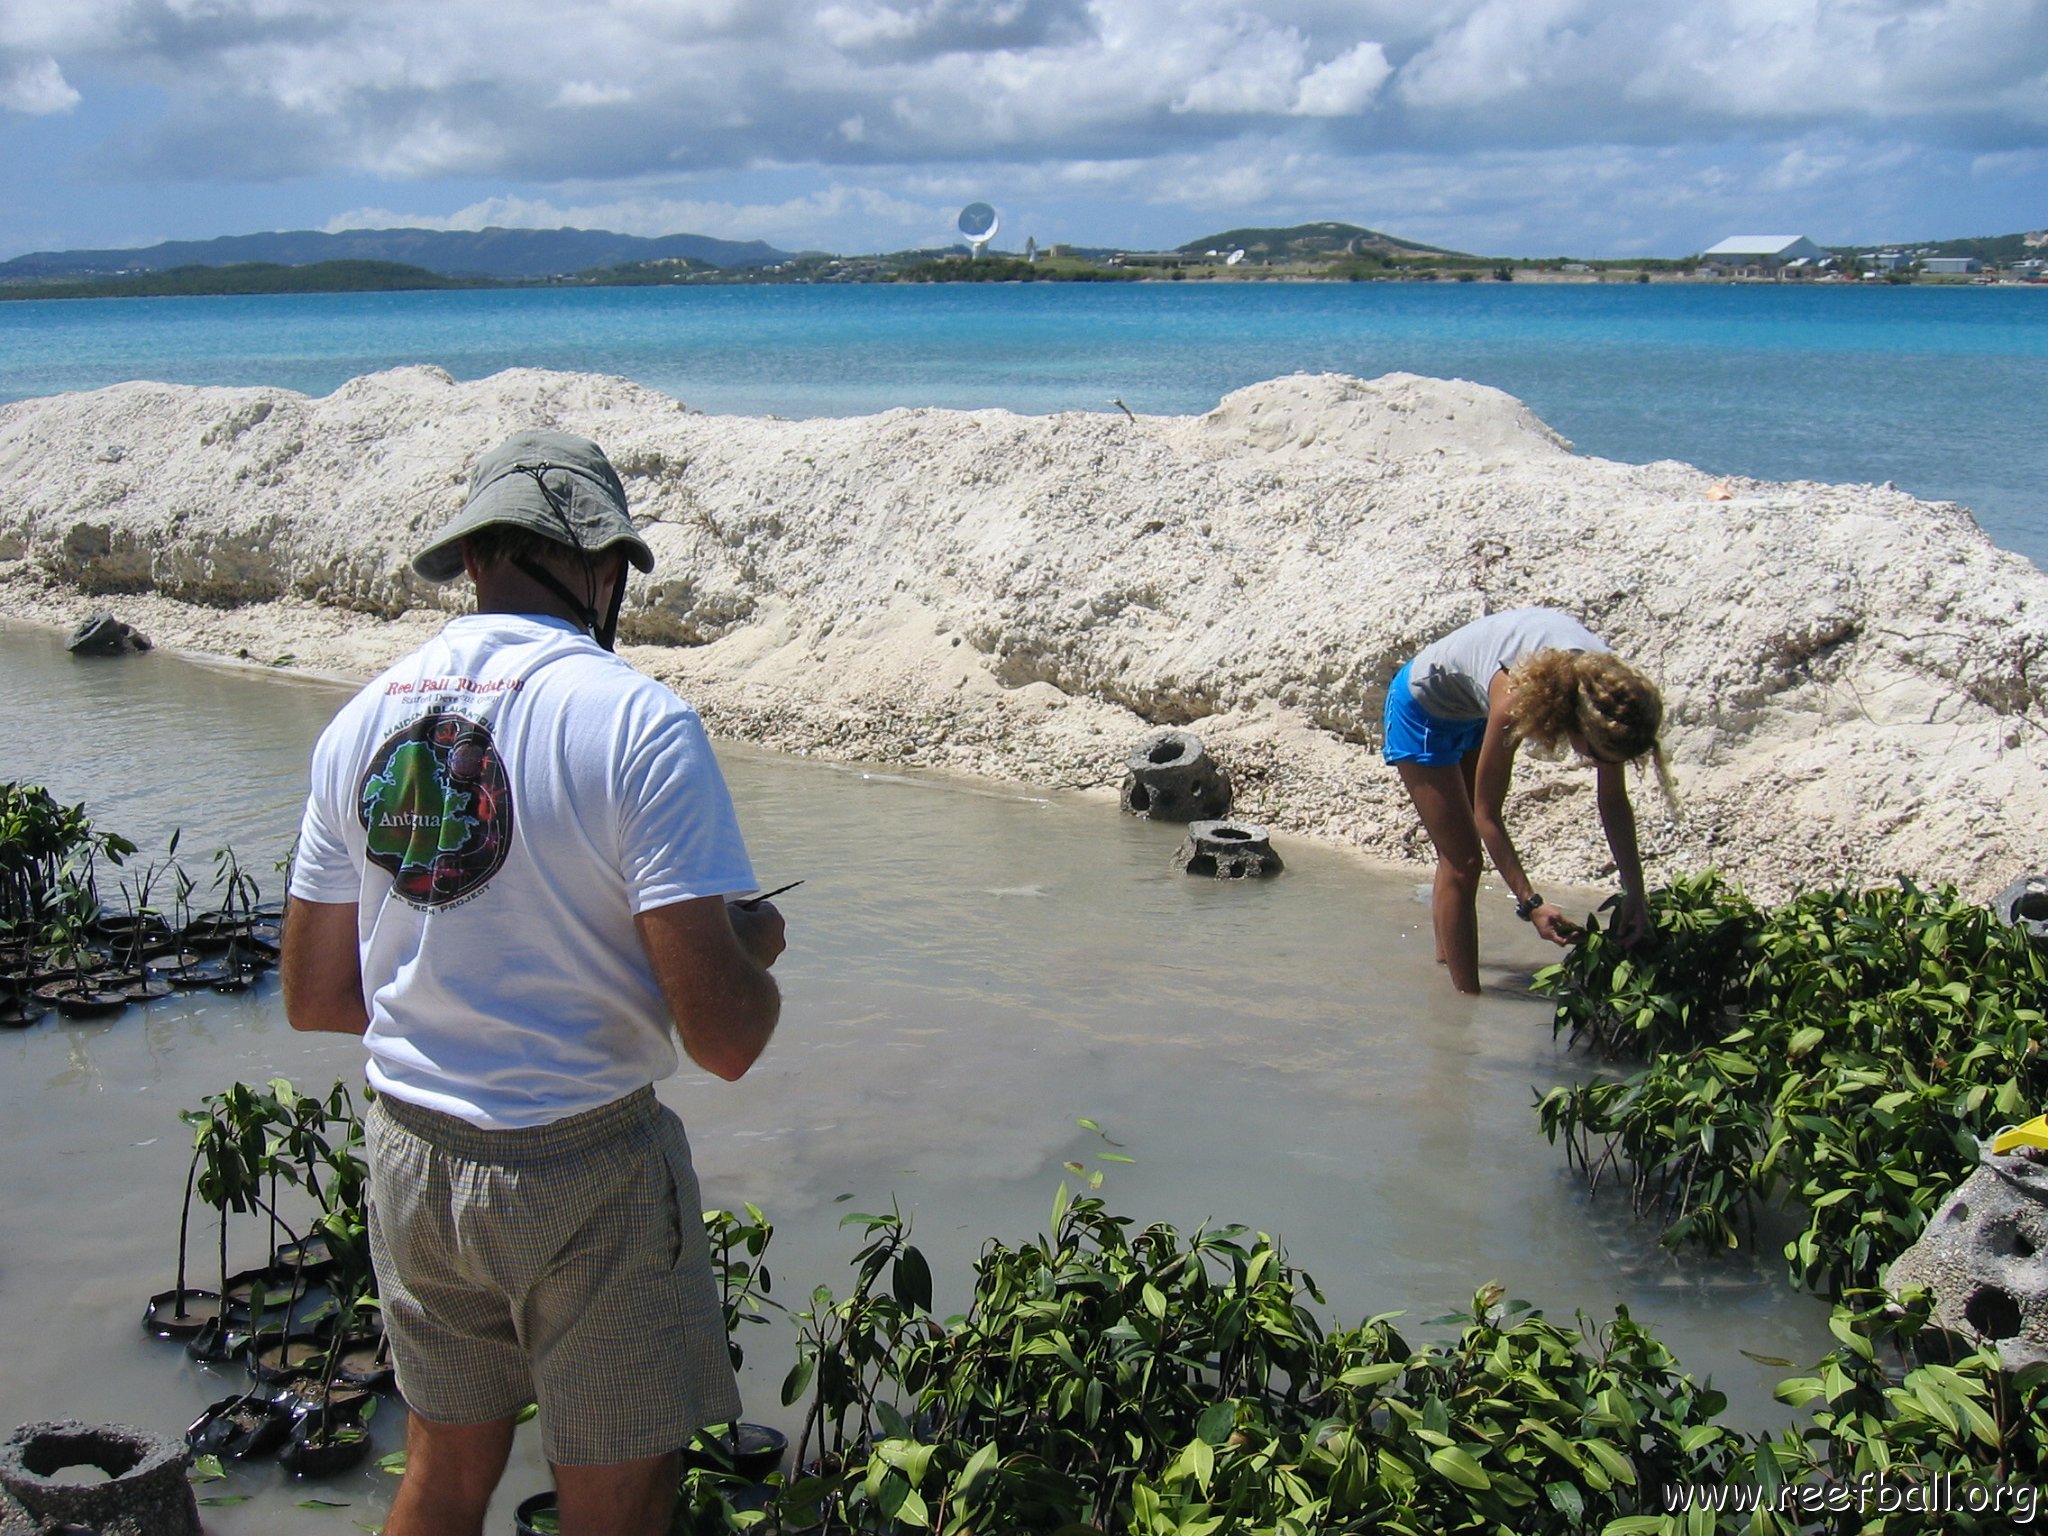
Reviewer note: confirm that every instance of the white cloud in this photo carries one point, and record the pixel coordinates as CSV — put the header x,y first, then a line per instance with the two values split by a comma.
x,y
37,89
1501,49
1253,70
1801,167
59,26
948,79
1345,85
590,93
795,220
2010,164
863,26
854,112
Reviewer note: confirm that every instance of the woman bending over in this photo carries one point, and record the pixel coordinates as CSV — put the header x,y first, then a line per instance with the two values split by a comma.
x,y
1454,717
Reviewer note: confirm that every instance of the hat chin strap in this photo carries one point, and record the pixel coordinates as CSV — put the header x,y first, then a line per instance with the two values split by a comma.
x,y
604,631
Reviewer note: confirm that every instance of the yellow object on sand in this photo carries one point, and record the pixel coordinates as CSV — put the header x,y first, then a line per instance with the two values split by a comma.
x,y
2033,1134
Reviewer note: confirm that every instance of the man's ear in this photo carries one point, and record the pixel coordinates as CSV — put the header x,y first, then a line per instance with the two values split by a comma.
x,y
469,561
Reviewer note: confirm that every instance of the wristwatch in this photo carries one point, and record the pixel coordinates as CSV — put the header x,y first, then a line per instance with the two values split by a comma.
x,y
1525,909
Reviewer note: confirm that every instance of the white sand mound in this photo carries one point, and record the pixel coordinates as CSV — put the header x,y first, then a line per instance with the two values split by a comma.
x,y
1854,678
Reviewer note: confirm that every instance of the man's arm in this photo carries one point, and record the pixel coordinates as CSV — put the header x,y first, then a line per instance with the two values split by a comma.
x,y
323,975
712,962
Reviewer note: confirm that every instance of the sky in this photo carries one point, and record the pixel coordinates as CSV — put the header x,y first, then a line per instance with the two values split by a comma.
x,y
1602,128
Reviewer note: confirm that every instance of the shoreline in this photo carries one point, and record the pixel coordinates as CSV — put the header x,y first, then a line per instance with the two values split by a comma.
x,y
24,292
1853,678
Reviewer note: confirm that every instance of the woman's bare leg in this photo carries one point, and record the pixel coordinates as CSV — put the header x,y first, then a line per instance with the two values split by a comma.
x,y
1442,794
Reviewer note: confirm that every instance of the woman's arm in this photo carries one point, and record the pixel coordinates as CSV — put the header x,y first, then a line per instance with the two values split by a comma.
x,y
1489,794
1495,768
1618,820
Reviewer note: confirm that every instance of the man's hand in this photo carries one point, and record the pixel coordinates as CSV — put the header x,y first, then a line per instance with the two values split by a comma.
x,y
758,927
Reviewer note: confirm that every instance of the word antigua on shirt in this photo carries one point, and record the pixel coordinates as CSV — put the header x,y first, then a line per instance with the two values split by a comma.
x,y
457,685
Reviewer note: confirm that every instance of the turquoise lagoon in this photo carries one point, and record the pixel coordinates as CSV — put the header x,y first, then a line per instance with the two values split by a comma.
x,y
1940,390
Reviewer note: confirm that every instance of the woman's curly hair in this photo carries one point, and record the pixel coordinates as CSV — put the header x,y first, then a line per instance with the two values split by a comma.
x,y
1594,694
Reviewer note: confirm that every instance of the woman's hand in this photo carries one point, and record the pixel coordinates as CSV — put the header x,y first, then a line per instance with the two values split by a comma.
x,y
1551,922
1631,923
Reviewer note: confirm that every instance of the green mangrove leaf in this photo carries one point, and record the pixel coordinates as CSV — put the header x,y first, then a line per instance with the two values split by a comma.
x,y
1617,1466
1457,1465
1566,1499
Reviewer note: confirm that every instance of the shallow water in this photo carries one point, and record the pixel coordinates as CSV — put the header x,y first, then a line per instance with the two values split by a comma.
x,y
974,968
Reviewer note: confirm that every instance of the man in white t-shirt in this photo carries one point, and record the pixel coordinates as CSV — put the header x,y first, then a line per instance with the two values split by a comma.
x,y
512,881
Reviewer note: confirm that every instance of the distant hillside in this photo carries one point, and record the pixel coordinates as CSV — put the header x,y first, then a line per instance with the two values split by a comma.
x,y
497,253
1310,242
243,277
1992,250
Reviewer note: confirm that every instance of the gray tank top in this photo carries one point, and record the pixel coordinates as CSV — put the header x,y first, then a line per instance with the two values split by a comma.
x,y
1449,677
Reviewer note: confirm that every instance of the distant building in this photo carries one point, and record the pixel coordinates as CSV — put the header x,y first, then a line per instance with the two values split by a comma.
x,y
1952,266
1889,261
1761,254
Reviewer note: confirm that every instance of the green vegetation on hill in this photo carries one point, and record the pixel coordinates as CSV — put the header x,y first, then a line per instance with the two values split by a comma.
x,y
1310,242
1328,251
532,255
1992,250
249,277
644,274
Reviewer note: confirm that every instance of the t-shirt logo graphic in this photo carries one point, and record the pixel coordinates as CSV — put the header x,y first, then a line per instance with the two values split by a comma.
x,y
437,807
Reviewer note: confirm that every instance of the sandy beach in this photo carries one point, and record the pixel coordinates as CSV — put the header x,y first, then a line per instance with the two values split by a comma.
x,y
1853,677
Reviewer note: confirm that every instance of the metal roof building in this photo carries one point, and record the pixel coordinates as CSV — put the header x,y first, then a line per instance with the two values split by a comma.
x,y
1762,251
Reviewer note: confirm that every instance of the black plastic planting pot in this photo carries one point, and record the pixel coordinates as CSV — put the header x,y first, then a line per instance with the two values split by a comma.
x,y
281,1359
316,1451
180,1314
751,1451
17,1012
272,1285
77,999
301,1396
240,1428
124,929
365,1361
219,1339
536,1516
312,1254
214,930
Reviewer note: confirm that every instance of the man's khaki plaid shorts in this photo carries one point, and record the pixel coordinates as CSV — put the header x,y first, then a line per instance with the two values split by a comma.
x,y
561,1264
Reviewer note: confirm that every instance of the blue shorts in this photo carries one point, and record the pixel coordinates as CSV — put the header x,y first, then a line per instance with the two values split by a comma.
x,y
1414,735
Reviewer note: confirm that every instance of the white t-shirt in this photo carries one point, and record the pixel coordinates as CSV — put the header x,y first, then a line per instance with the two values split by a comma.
x,y
1450,677
499,805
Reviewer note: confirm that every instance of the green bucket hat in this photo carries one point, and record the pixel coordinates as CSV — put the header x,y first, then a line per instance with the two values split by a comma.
x,y
551,483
